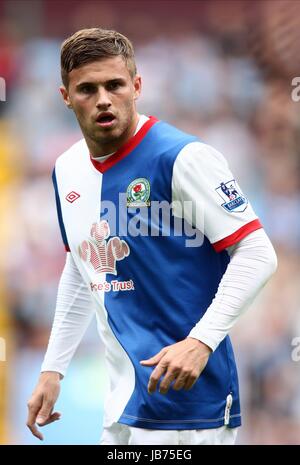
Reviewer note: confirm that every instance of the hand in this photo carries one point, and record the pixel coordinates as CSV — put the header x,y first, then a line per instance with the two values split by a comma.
x,y
183,362
41,403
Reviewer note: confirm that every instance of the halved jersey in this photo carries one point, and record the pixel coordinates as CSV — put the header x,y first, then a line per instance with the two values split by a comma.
x,y
153,273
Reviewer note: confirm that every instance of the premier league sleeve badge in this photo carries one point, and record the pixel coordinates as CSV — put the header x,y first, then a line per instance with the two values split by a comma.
x,y
234,200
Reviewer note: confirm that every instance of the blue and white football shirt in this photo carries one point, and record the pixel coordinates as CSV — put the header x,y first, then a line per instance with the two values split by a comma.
x,y
151,283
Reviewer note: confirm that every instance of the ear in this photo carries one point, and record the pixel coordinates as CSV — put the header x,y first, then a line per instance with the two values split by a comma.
x,y
65,96
137,83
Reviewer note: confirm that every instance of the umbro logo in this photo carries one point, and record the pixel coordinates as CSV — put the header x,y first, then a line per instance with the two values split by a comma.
x,y
72,196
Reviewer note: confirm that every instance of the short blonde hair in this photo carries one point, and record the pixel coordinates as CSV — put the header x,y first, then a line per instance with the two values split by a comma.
x,y
92,44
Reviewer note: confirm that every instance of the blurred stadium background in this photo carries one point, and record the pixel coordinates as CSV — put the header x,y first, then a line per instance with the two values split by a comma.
x,y
219,69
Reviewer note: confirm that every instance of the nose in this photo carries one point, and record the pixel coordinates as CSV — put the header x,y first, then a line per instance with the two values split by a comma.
x,y
103,100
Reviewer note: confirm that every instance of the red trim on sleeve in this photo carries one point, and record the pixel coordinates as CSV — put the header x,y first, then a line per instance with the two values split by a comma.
x,y
126,148
67,248
237,235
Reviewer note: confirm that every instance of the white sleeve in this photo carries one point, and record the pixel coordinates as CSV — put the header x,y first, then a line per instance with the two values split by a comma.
x,y
253,261
220,210
74,311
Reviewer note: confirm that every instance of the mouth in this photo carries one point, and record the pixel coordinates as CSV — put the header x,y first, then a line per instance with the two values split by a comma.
x,y
105,120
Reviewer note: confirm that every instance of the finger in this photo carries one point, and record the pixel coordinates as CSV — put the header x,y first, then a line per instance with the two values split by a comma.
x,y
155,359
155,377
35,431
180,382
190,382
166,382
53,417
31,422
44,412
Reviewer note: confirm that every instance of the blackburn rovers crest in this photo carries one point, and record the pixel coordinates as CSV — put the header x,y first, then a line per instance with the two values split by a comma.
x,y
138,193
234,201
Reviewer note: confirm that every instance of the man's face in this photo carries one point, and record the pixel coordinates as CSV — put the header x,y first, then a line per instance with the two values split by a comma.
x,y
102,95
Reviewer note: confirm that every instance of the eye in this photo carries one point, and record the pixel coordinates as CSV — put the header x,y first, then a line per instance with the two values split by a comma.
x,y
113,85
87,89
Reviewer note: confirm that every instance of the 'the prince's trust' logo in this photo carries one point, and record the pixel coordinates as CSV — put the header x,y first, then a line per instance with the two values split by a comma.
x,y
234,200
99,252
138,193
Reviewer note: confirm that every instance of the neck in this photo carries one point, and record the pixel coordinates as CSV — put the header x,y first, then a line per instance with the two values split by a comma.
x,y
99,149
